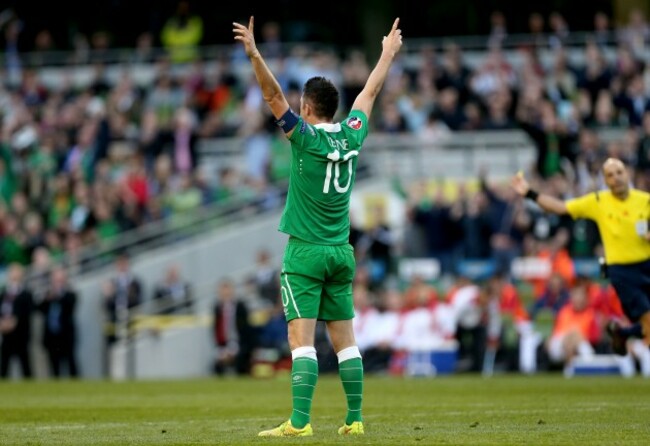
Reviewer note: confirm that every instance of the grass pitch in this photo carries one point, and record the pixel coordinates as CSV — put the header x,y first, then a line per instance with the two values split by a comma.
x,y
455,410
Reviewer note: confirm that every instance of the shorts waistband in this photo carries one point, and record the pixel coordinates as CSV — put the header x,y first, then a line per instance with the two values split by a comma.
x,y
298,241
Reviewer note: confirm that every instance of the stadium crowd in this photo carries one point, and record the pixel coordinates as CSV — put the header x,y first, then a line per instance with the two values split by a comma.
x,y
80,164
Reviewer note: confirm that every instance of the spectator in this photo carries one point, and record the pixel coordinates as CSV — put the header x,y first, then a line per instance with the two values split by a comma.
x,y
498,29
273,334
173,295
536,30
59,330
16,307
233,335
603,35
560,81
559,30
181,202
121,294
554,296
375,247
555,252
509,327
364,313
419,293
507,222
424,327
642,167
439,222
182,33
164,99
633,101
449,110
637,32
184,150
380,332
12,26
144,51
267,278
575,330
467,301
595,75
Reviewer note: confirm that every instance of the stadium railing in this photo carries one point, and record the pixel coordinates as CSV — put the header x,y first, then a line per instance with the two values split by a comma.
x,y
55,67
129,55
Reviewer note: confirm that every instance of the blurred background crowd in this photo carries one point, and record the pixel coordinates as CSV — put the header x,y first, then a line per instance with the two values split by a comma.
x,y
85,161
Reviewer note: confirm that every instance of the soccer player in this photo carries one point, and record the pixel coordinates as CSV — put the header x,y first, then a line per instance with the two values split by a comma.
x,y
318,264
622,214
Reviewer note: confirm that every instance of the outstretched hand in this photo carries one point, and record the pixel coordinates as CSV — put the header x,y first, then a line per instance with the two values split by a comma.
x,y
519,184
393,41
245,35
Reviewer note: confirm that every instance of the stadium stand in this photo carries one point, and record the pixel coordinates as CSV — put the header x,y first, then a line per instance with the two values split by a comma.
x,y
105,151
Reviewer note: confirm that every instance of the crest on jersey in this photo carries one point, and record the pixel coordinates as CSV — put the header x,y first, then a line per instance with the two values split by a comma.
x,y
354,123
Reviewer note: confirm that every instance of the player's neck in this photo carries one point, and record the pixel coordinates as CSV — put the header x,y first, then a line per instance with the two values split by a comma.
x,y
622,195
318,121
315,120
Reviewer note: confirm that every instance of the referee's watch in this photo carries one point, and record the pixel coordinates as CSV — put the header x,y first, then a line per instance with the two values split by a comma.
x,y
532,195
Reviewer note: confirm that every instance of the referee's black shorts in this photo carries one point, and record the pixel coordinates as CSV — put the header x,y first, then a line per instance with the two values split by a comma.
x,y
632,284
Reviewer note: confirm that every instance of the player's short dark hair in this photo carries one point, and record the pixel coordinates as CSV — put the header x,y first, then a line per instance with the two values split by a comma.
x,y
322,95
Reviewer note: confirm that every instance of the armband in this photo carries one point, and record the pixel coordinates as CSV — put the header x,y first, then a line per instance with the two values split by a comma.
x,y
288,121
532,195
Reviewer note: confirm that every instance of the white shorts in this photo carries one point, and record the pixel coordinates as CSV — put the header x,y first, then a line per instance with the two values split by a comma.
x,y
555,349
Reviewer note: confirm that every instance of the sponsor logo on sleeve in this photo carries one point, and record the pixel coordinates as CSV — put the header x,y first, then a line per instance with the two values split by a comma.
x,y
302,127
354,123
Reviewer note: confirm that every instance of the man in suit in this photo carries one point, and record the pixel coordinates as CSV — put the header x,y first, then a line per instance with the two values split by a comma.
x,y
267,279
59,333
16,305
121,293
233,334
173,295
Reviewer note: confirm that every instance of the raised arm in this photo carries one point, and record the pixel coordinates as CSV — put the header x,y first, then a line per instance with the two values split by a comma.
x,y
546,202
390,46
271,90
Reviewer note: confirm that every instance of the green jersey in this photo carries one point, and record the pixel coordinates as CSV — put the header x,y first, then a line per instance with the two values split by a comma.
x,y
323,166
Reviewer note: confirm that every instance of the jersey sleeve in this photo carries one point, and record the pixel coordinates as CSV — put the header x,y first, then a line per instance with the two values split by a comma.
x,y
583,207
304,135
356,128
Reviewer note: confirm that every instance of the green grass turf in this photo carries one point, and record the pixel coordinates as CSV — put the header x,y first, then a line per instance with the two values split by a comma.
x,y
456,410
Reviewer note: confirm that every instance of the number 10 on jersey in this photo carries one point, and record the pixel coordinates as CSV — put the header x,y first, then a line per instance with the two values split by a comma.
x,y
335,164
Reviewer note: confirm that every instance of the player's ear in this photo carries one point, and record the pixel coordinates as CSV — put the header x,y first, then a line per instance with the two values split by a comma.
x,y
306,109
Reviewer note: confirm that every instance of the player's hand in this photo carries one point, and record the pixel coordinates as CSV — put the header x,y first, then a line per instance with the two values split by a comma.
x,y
393,41
519,184
245,35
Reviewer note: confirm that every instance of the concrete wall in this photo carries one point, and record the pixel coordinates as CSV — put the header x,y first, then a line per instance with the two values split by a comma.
x,y
203,261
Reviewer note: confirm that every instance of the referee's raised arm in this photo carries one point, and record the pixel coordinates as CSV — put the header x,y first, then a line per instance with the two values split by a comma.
x,y
547,202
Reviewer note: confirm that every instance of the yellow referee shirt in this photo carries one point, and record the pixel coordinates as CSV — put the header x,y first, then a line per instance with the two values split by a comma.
x,y
622,224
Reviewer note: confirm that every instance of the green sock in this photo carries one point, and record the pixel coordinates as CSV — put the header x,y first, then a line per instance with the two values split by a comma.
x,y
304,375
351,373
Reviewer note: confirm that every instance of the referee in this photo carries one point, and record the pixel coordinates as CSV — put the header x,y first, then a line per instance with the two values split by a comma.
x,y
621,213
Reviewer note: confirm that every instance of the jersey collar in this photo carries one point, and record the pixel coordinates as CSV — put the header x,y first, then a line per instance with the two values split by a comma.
x,y
329,127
